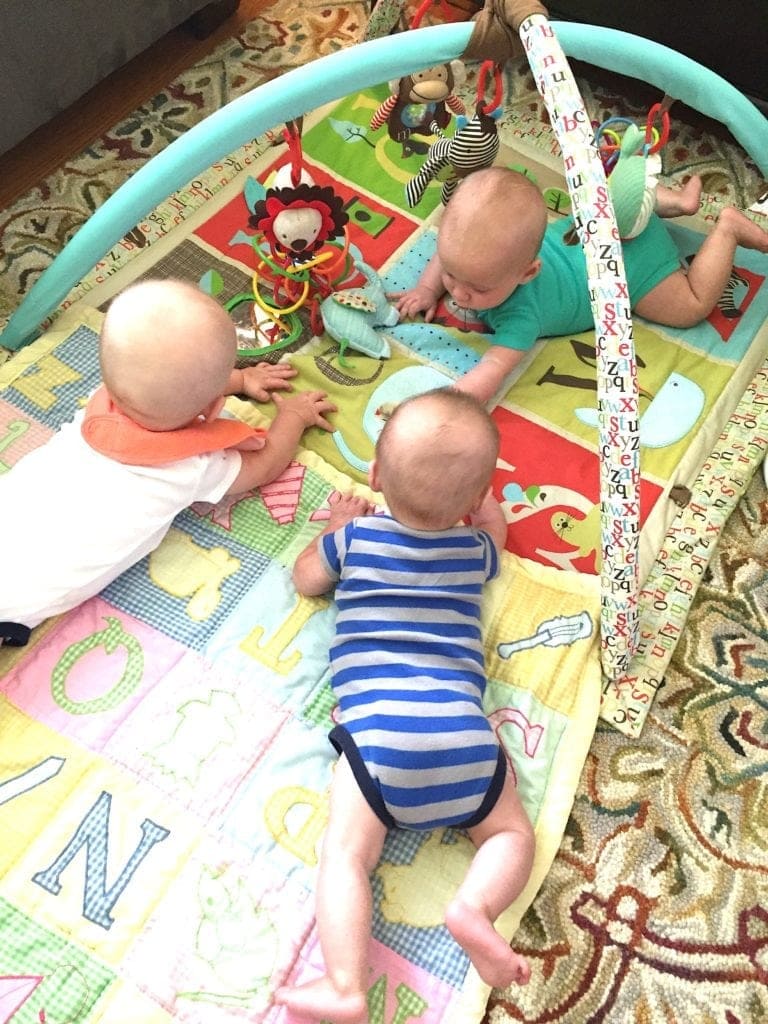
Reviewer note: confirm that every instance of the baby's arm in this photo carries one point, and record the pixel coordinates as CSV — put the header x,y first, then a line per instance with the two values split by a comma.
x,y
258,381
425,295
487,377
310,576
294,415
490,517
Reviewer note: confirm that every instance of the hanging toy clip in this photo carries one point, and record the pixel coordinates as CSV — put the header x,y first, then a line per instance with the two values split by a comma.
x,y
292,137
655,139
482,83
424,6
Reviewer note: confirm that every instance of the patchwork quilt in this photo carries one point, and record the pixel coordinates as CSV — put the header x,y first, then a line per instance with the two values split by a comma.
x,y
165,763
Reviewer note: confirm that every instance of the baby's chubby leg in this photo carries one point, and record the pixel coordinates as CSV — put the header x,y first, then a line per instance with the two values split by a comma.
x,y
351,849
685,298
497,875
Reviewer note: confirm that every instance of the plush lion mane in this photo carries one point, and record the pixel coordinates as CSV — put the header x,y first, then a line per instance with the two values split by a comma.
x,y
303,196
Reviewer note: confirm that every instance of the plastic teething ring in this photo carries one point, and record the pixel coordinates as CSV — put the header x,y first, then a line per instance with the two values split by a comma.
x,y
660,138
277,311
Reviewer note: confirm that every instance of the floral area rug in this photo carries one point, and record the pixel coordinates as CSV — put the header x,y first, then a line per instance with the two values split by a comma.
x,y
654,911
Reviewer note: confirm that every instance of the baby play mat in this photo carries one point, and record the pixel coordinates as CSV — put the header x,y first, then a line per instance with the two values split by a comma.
x,y
166,765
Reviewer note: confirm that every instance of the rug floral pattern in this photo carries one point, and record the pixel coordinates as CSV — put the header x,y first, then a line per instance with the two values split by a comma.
x,y
654,911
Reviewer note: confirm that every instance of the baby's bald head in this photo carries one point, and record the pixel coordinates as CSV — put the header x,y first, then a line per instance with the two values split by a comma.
x,y
435,458
166,351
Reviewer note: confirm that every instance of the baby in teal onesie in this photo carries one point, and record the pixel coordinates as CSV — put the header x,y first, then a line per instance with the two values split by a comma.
x,y
497,255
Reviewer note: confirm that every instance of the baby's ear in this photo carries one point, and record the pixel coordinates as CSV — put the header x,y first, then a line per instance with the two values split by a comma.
x,y
373,476
531,271
480,499
213,409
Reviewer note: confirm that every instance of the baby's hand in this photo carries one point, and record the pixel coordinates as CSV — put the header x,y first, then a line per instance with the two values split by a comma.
x,y
261,379
416,300
345,507
490,517
310,406
488,509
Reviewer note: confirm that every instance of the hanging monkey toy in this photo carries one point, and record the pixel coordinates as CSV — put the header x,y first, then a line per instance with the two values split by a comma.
x,y
421,104
474,145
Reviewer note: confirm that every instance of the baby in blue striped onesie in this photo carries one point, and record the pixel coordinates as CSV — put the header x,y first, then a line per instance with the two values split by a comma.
x,y
416,749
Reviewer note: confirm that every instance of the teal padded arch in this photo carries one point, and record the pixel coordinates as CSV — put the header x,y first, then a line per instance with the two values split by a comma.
x,y
338,75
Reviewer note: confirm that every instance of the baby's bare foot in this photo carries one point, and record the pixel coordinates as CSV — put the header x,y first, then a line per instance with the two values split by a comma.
x,y
491,956
690,195
319,1000
679,202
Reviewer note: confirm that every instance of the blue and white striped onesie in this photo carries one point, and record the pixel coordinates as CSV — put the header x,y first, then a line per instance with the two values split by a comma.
x,y
408,670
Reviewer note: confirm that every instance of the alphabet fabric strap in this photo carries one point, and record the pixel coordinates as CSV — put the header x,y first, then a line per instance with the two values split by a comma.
x,y
667,593
617,391
111,432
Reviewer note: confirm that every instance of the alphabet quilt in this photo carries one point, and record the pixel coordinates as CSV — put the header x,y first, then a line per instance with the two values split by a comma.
x,y
165,764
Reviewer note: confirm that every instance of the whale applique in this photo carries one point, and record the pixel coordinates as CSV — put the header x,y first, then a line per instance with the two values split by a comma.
x,y
672,413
